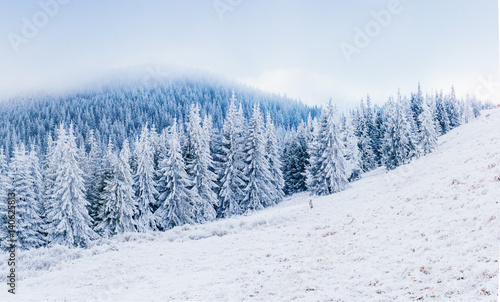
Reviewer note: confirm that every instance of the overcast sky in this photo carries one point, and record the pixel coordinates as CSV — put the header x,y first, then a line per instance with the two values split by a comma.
x,y
310,50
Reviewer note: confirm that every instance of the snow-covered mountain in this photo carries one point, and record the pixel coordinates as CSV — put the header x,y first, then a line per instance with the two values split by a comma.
x,y
423,231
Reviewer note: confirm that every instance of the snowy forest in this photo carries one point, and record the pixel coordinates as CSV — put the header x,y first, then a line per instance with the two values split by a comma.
x,y
92,165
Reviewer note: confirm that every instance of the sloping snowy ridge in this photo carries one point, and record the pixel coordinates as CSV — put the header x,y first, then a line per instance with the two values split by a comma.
x,y
429,230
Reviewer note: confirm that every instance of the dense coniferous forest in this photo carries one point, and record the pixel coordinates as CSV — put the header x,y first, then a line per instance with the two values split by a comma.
x,y
94,164
119,111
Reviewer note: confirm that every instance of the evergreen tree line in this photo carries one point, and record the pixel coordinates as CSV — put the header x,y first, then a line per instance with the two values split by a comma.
x,y
323,155
78,193
119,111
193,172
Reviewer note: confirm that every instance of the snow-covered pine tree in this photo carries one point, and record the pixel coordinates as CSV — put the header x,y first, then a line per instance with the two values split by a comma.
x,y
427,135
333,166
93,177
295,161
417,106
214,145
442,114
452,107
468,110
476,107
199,164
176,201
391,138
365,133
273,154
144,183
409,126
373,130
233,179
258,192
399,145
315,150
67,215
117,210
36,173
351,151
28,221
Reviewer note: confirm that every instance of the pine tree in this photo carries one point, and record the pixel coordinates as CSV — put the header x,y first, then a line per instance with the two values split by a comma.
x,y
399,144
410,127
118,207
295,161
468,110
258,192
28,221
366,132
176,201
328,171
352,155
272,154
417,106
38,188
428,135
67,215
36,173
332,161
144,183
442,114
199,164
452,108
315,150
392,139
233,179
49,176
373,131
93,178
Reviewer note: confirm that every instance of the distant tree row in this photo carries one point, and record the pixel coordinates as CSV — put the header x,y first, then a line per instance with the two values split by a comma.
x,y
324,154
120,111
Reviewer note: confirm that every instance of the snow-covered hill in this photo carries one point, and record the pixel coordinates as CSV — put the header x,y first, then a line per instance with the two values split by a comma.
x,y
429,230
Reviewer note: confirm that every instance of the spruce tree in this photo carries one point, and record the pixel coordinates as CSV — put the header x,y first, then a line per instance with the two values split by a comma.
x,y
427,135
273,154
399,145
144,183
442,114
258,192
93,177
327,173
417,106
28,221
295,161
233,179
67,215
118,207
351,155
176,201
199,166
365,131
452,108
332,162
315,150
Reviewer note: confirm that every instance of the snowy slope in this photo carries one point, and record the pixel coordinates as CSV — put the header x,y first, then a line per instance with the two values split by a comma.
x,y
429,230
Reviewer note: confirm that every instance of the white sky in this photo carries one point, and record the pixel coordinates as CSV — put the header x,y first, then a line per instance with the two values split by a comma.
x,y
291,47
